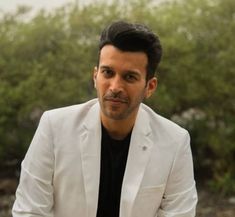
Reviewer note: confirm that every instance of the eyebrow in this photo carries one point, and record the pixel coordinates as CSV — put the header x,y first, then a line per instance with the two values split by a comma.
x,y
126,72
106,67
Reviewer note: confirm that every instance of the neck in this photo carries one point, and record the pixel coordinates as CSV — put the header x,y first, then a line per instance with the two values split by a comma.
x,y
117,129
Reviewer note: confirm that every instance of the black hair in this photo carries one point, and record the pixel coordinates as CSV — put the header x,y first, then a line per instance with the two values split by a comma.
x,y
134,37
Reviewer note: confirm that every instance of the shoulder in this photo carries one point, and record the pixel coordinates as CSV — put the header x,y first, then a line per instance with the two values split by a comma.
x,y
73,108
70,114
163,127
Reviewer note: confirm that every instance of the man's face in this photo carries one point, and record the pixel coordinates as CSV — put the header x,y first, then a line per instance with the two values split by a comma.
x,y
120,81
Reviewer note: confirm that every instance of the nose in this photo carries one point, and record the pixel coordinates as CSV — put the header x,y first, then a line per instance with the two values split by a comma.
x,y
116,84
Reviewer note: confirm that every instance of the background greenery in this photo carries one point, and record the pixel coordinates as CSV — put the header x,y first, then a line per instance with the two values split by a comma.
x,y
47,61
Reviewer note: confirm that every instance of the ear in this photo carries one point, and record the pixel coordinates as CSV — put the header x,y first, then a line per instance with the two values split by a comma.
x,y
95,75
151,87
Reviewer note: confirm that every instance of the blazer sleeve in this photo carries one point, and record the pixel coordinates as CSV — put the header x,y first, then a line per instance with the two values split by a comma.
x,y
34,195
180,197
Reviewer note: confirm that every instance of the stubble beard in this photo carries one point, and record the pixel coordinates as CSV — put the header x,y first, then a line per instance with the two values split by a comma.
x,y
112,111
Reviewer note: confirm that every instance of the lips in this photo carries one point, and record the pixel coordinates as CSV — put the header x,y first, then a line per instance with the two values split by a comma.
x,y
115,100
115,97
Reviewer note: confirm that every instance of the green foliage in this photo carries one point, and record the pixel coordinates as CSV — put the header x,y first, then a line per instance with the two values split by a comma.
x,y
47,62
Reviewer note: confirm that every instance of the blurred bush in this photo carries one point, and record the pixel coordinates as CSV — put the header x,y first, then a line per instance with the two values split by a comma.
x,y
47,61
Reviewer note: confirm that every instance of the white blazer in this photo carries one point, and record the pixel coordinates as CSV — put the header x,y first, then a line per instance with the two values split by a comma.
x,y
60,172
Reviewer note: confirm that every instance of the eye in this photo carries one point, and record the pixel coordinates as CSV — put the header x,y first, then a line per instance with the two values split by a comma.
x,y
131,78
108,73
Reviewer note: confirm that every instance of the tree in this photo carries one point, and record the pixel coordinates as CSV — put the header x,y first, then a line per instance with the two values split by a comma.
x,y
47,62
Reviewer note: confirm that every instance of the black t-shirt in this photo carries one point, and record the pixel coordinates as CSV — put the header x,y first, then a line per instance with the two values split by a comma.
x,y
113,163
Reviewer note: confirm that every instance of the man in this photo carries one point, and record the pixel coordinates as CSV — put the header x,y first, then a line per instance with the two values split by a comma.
x,y
113,156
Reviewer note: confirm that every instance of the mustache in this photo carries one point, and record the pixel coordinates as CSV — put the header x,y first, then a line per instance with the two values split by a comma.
x,y
115,96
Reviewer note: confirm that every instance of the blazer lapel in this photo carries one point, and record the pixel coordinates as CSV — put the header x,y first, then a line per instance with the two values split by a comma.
x,y
139,153
90,155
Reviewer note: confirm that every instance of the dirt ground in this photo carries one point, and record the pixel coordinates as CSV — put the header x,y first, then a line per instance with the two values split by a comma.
x,y
212,205
209,205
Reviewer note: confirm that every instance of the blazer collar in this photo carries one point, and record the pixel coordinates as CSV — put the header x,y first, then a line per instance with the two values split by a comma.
x,y
90,155
138,156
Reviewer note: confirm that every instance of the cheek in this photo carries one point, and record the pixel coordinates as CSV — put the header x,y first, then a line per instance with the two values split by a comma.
x,y
146,94
101,86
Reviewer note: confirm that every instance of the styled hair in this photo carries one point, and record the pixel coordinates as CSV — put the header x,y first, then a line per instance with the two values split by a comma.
x,y
134,37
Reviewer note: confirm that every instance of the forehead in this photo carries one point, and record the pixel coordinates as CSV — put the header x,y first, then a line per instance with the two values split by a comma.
x,y
114,57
